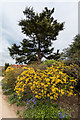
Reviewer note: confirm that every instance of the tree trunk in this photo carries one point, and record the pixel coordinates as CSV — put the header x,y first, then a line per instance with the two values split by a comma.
x,y
39,53
39,59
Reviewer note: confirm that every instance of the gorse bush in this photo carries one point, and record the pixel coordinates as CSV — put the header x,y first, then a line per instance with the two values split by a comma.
x,y
49,83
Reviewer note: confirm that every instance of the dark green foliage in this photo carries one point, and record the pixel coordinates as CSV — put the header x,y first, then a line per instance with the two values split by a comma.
x,y
57,55
40,29
72,53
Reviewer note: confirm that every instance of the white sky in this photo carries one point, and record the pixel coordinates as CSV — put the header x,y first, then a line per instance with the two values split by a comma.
x,y
12,12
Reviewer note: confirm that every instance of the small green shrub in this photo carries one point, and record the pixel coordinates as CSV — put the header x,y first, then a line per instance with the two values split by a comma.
x,y
13,98
49,62
20,116
13,101
18,112
17,104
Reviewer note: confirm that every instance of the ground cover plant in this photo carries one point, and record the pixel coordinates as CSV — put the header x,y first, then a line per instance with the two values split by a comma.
x,y
41,110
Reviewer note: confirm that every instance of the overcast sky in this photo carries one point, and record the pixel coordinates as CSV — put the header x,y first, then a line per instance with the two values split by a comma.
x,y
12,12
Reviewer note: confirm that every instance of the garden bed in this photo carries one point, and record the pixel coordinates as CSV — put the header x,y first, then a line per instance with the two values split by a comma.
x,y
69,104
36,90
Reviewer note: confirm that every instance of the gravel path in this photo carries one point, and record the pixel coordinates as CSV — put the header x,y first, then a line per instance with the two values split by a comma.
x,y
6,111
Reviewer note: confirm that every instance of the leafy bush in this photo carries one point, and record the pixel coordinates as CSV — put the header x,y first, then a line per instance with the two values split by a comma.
x,y
18,112
49,62
13,98
41,110
74,71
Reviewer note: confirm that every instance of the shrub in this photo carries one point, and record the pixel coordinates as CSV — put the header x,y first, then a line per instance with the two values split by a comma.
x,y
49,83
10,75
74,71
49,62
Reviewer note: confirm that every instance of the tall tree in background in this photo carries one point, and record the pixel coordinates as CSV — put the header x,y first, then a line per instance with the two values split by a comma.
x,y
57,55
73,51
40,30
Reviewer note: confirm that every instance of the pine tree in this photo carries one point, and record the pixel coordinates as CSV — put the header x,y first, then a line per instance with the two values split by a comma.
x,y
40,30
73,51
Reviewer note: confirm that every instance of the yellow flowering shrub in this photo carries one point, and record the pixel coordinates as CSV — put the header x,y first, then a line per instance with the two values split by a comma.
x,y
49,83
10,75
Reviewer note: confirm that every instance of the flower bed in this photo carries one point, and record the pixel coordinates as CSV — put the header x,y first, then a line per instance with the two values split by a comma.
x,y
46,85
